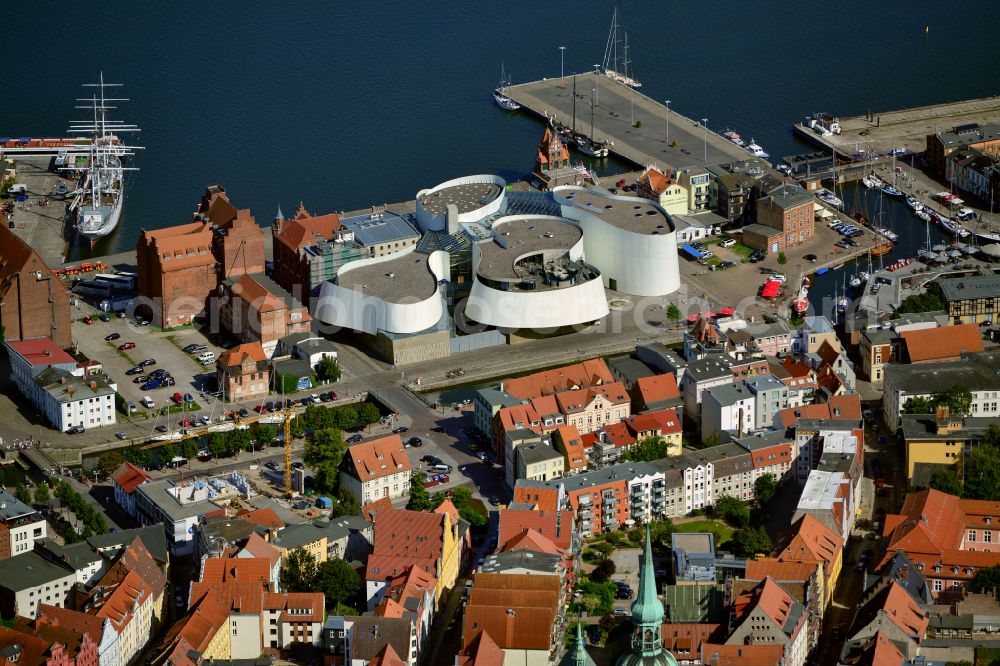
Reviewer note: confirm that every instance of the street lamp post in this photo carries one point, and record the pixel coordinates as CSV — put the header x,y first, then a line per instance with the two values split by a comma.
x,y
562,68
668,120
597,86
704,124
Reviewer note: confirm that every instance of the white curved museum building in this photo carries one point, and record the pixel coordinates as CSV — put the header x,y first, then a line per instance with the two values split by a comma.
x,y
532,275
470,199
632,241
399,293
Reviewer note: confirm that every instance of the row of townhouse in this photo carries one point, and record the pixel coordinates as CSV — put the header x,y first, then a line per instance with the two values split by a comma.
x,y
979,372
604,499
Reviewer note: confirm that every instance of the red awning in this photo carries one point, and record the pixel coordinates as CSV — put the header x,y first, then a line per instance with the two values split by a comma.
x,y
727,311
771,289
707,315
692,317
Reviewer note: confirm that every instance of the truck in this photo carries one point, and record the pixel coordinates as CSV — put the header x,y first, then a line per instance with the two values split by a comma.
x,y
147,402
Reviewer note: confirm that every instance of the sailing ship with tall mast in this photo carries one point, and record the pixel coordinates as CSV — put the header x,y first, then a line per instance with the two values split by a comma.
x,y
616,63
500,93
99,197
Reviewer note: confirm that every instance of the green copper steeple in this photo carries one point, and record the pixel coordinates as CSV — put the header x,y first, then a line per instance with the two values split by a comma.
x,y
578,656
647,618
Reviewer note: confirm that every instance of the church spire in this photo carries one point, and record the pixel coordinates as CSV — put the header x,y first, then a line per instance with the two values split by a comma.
x,y
578,656
647,619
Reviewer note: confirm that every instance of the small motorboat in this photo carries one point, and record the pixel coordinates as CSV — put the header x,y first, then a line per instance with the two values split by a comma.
x,y
855,282
826,196
734,137
952,227
756,150
890,190
912,202
924,215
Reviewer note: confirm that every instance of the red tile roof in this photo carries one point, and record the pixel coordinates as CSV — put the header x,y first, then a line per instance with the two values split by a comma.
x,y
305,230
387,657
685,640
592,372
530,540
33,651
404,538
379,458
129,594
264,517
83,623
237,355
480,650
718,654
568,437
313,601
41,352
236,570
905,612
879,651
619,434
811,540
845,407
555,526
655,180
658,387
943,343
129,477
259,548
776,602
546,499
577,400
759,569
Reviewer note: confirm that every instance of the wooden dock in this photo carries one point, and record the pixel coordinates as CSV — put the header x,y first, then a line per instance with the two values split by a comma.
x,y
880,132
659,135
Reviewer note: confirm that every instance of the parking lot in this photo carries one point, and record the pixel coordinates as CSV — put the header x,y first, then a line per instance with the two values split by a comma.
x,y
738,287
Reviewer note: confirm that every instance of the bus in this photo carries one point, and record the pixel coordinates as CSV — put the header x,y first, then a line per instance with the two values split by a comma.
x,y
122,281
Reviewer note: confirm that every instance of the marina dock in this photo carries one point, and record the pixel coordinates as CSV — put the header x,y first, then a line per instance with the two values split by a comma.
x,y
880,132
662,137
40,220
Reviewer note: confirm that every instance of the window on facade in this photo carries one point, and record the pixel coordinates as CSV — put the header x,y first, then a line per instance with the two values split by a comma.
x,y
972,535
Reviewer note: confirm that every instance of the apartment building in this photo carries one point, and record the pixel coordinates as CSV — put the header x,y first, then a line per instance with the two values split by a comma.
x,y
20,527
377,469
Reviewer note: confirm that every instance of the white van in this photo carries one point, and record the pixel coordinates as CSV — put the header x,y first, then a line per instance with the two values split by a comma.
x,y
441,469
206,357
729,242
147,402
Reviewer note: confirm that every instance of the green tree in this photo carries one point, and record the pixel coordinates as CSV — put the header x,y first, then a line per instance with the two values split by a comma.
x,y
946,480
420,499
660,532
764,489
345,504
167,452
987,579
607,622
110,461
475,518
651,448
337,581
138,456
318,418
325,477
42,493
344,417
750,541
733,511
238,440
263,434
325,445
298,427
927,302
604,570
368,414
300,573
918,405
328,370
22,493
981,468
673,313
189,448
782,259
217,444
957,399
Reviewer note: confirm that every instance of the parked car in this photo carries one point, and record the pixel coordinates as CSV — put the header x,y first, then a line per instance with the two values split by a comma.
x,y
145,363
729,242
354,439
400,430
177,398
777,277
727,264
140,379
168,381
126,346
76,430
104,317
188,397
415,441
620,612
88,321
768,271
112,336
325,397
121,435
134,371
160,428
151,384
438,429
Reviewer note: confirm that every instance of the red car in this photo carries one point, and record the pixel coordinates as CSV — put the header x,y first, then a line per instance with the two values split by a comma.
x,y
126,345
88,321
177,398
186,423
260,409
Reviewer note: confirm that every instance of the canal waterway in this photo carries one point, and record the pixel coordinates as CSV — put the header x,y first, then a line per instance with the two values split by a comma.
x,y
343,105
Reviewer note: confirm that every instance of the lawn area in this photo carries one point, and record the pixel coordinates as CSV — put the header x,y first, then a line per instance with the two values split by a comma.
x,y
723,533
741,250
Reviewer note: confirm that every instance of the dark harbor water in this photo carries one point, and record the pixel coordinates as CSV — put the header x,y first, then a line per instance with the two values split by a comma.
x,y
345,105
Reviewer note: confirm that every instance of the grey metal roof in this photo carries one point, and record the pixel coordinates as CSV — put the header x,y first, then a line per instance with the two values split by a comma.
x,y
976,371
157,493
295,536
694,543
23,572
924,426
660,357
153,538
57,382
708,368
975,286
536,453
388,227
12,508
787,196
371,634
630,368
765,330
543,563
729,394
763,440
964,135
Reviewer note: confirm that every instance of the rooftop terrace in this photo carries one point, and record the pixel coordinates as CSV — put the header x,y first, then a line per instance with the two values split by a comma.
x,y
466,197
634,214
404,279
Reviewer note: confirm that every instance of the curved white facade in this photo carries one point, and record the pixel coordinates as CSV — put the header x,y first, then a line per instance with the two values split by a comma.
x,y
437,220
360,311
641,261
546,308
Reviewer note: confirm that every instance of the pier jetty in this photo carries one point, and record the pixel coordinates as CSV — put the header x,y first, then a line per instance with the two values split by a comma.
x,y
880,132
642,130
